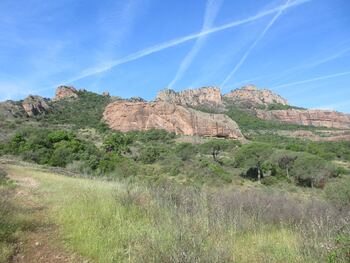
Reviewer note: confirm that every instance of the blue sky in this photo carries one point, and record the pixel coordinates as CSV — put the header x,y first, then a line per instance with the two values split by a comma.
x,y
297,48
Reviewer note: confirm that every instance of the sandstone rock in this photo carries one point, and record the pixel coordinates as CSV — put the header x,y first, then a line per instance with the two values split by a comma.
x,y
140,116
318,118
34,105
207,96
252,96
64,92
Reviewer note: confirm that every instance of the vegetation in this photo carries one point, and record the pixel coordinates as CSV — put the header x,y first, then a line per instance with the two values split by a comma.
x,y
165,222
9,223
172,201
86,111
248,121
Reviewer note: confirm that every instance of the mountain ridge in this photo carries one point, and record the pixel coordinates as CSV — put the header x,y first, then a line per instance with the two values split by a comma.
x,y
260,103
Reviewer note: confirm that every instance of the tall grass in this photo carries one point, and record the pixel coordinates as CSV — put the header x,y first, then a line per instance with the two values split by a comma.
x,y
115,222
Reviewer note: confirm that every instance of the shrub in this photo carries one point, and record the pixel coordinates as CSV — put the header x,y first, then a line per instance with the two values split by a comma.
x,y
149,154
339,192
117,142
155,135
185,151
311,171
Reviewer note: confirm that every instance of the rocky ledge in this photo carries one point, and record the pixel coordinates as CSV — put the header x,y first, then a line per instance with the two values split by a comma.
x,y
318,118
140,116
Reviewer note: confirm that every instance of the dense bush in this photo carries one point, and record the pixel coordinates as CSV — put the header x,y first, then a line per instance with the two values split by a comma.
x,y
312,171
185,151
325,150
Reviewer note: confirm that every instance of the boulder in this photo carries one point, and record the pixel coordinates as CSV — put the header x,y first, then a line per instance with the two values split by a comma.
x,y
140,116
65,92
35,105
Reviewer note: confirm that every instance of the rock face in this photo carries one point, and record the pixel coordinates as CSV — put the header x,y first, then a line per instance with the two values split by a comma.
x,y
34,105
65,92
252,96
318,118
140,116
207,96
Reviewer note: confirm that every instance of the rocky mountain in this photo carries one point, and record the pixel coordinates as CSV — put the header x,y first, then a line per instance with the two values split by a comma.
x,y
206,96
251,96
141,116
179,112
317,118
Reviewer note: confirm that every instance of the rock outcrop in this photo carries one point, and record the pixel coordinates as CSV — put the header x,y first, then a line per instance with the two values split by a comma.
x,y
65,92
140,116
34,105
318,118
207,96
10,109
251,96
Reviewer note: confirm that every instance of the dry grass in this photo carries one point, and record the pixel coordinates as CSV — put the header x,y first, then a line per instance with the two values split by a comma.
x,y
115,222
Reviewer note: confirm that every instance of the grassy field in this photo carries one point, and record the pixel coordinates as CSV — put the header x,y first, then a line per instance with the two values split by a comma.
x,y
117,222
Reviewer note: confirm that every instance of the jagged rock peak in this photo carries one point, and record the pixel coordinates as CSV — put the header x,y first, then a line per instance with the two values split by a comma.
x,y
34,105
253,96
65,92
140,116
206,96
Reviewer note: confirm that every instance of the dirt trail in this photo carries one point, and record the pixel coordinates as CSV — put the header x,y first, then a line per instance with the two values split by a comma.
x,y
40,242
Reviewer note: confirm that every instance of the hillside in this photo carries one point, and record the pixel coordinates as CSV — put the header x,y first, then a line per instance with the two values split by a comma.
x,y
198,151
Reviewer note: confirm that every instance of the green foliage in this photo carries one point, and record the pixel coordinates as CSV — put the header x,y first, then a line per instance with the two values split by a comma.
x,y
85,111
249,155
278,106
312,171
341,252
339,192
185,151
150,154
117,142
325,150
154,135
248,121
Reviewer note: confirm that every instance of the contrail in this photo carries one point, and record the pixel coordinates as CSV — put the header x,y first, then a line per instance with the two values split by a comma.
x,y
211,11
246,54
312,80
148,51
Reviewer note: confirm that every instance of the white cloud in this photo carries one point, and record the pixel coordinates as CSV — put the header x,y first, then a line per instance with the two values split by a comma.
x,y
211,12
263,33
312,79
148,51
